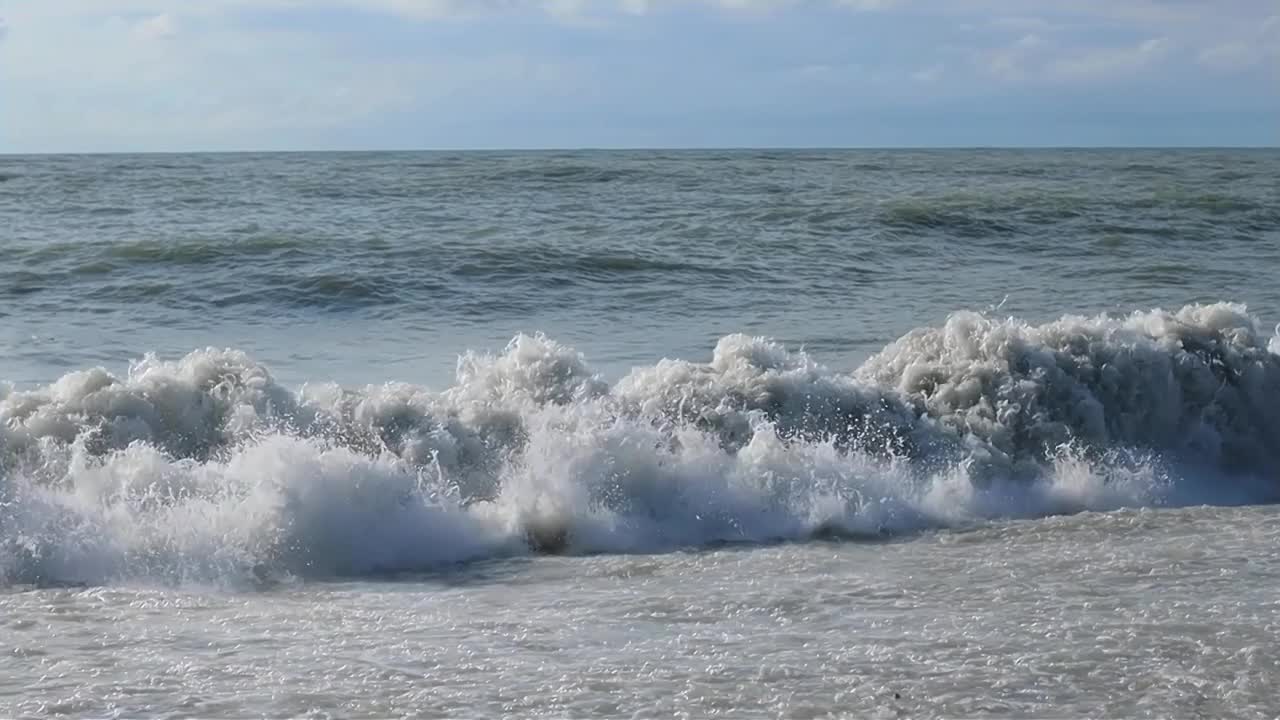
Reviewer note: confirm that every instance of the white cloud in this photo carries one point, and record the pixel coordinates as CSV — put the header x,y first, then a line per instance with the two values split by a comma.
x,y
182,73
414,10
866,5
156,27
107,82
1032,58
1109,63
573,11
636,7
1014,61
1016,23
1142,34
1246,51
1010,13
760,7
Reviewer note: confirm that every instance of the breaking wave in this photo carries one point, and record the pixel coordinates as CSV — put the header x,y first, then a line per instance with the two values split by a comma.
x,y
207,470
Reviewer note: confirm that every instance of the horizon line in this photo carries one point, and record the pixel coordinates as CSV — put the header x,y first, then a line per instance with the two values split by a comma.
x,y
627,148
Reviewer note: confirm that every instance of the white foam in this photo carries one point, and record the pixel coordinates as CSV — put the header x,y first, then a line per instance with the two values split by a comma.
x,y
206,470
1199,384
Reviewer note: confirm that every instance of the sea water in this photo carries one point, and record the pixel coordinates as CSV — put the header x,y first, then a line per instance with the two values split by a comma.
x,y
638,434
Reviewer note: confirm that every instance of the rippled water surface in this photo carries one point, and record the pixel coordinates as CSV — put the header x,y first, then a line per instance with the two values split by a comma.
x,y
779,434
627,256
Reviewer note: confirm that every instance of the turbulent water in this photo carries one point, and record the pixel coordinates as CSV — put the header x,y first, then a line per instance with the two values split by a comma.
x,y
802,434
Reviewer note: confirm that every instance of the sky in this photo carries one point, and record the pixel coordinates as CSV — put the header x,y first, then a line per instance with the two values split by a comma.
x,y
177,75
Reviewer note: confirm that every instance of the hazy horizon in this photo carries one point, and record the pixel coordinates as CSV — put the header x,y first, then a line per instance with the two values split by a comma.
x,y
625,149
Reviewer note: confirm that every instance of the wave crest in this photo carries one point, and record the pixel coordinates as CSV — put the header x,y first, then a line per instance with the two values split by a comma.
x,y
206,469
1198,384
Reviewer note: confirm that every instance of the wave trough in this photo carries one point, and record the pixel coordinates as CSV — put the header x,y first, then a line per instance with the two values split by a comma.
x,y
207,470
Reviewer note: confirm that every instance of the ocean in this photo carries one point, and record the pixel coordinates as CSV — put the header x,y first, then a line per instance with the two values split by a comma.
x,y
792,433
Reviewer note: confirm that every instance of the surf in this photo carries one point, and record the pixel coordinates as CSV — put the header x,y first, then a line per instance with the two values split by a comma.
x,y
205,469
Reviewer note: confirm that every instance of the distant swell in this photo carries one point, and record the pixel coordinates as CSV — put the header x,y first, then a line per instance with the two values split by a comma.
x,y
279,273
207,470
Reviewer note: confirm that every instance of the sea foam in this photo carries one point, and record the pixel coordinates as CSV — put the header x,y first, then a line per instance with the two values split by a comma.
x,y
207,470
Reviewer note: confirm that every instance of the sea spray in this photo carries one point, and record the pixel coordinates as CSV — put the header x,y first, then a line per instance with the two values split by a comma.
x,y
207,470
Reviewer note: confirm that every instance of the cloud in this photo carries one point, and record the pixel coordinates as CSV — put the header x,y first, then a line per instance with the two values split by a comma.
x,y
569,11
110,83
1021,23
1247,51
271,73
572,12
156,27
1009,12
866,5
1013,61
413,10
1109,63
1033,59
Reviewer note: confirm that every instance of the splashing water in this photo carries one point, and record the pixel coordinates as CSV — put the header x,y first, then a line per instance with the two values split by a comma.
x,y
207,470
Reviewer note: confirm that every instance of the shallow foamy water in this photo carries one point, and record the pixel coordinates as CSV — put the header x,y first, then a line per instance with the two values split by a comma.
x,y
1131,614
